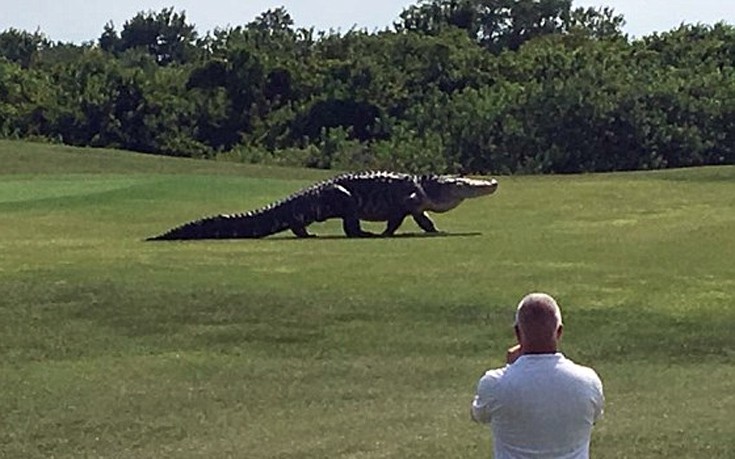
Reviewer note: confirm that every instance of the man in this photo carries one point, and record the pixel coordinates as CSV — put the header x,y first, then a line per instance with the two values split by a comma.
x,y
541,404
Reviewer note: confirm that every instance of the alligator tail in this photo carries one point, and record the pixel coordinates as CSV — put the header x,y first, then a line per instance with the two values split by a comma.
x,y
255,224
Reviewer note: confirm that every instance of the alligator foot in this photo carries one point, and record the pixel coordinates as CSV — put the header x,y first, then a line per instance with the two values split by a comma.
x,y
363,234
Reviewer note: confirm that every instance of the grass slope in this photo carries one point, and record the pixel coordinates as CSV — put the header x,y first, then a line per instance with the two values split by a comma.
x,y
112,347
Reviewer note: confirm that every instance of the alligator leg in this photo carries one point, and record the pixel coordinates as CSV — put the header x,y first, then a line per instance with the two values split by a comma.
x,y
425,222
300,231
349,213
393,224
352,228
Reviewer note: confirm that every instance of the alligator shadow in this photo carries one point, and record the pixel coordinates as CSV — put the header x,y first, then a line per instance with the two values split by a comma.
x,y
327,237
377,236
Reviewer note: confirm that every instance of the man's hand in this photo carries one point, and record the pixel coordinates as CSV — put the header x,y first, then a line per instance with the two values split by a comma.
x,y
513,354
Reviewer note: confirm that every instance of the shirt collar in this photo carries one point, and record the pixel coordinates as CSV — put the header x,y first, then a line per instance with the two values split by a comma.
x,y
536,357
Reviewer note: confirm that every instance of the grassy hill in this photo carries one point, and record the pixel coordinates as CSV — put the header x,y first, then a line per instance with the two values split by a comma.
x,y
333,347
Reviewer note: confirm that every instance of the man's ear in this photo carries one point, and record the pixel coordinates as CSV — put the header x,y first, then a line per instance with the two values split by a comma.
x,y
517,329
559,331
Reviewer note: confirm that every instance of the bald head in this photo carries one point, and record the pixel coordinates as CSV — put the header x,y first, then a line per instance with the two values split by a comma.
x,y
538,322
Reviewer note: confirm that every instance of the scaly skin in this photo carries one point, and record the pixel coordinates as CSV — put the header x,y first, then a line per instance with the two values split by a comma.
x,y
369,196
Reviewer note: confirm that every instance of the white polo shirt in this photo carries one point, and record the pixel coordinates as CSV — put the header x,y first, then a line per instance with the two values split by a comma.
x,y
541,406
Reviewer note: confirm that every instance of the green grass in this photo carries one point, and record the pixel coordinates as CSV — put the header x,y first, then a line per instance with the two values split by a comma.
x,y
331,347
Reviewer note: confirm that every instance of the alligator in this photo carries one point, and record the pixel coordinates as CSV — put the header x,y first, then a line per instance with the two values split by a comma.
x,y
370,196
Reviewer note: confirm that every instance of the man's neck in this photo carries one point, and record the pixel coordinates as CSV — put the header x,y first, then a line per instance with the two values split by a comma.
x,y
539,350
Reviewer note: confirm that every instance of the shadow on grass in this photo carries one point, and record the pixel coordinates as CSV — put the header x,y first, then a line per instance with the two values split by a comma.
x,y
632,332
84,319
328,237
395,236
623,333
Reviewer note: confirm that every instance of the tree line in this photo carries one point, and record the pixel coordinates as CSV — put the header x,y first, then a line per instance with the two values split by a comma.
x,y
470,86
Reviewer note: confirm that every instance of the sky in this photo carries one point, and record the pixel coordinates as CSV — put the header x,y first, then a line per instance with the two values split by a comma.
x,y
79,21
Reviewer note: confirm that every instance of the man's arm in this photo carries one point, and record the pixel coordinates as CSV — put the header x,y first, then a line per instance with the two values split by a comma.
x,y
479,410
482,404
485,396
599,400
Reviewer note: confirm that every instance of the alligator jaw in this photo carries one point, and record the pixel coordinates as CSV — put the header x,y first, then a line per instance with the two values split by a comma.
x,y
444,193
473,188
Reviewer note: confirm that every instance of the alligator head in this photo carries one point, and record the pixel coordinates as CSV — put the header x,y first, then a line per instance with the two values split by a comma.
x,y
445,192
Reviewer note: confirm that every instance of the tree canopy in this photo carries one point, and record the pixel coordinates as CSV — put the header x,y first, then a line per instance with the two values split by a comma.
x,y
482,86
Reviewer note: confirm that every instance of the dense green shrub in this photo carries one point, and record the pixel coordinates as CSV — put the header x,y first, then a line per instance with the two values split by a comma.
x,y
456,86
